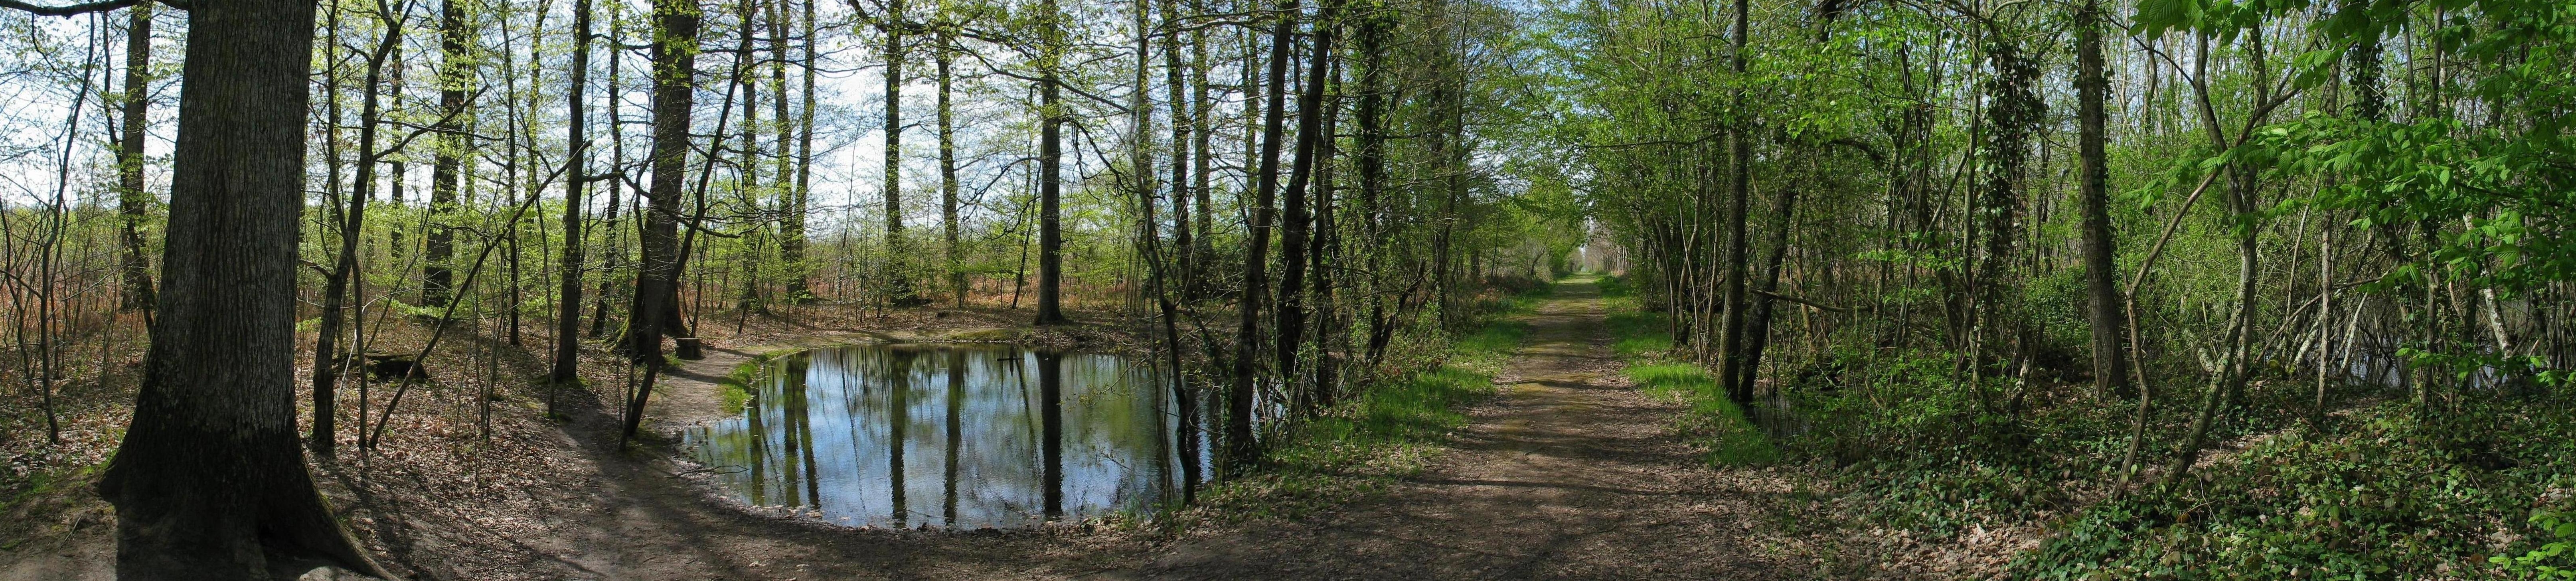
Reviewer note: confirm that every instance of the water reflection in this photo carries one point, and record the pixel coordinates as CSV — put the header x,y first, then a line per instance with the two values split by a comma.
x,y
999,436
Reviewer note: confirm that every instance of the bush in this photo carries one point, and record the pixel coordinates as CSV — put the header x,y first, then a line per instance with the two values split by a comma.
x,y
2394,497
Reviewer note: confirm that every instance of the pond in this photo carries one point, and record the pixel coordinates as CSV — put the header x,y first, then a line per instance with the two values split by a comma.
x,y
951,436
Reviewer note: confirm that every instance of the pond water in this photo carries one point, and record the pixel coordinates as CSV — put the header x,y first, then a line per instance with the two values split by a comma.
x,y
951,436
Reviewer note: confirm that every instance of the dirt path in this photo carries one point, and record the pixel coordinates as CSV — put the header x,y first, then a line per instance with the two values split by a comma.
x,y
1569,474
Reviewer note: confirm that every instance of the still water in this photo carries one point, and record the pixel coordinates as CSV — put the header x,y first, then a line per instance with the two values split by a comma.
x,y
951,436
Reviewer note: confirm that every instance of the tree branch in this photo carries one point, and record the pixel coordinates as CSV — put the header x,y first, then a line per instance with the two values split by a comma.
x,y
79,9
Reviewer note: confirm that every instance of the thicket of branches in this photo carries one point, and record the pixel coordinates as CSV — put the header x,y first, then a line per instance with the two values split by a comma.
x,y
2047,255
1288,199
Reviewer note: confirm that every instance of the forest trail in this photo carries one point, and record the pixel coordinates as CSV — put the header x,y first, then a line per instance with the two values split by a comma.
x,y
1570,473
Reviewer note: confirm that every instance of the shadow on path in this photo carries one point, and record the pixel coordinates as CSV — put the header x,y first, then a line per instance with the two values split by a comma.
x,y
1569,474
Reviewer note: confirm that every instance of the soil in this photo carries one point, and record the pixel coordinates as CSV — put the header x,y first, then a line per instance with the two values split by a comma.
x,y
1569,474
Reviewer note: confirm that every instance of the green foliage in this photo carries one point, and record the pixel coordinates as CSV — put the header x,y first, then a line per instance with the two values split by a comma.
x,y
1634,334
2546,562
1714,423
1379,433
2397,497
737,385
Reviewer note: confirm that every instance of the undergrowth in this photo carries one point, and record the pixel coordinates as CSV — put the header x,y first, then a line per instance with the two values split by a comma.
x,y
2479,486
2390,496
1381,432
1714,424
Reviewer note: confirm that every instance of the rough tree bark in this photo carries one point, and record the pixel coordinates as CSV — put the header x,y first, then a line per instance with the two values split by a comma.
x,y
952,254
1175,85
2092,88
1757,325
209,482
1739,194
438,280
132,202
791,243
657,283
898,273
568,318
1050,164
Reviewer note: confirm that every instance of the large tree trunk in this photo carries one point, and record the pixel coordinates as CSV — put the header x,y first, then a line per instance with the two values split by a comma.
x,y
131,201
747,169
568,316
1730,346
1372,169
791,230
209,482
1050,165
1322,249
1240,449
1194,286
952,253
898,273
657,283
1757,325
1175,87
2092,89
455,67
1140,134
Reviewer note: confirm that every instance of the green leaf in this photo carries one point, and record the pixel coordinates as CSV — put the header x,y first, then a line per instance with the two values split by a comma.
x,y
2157,16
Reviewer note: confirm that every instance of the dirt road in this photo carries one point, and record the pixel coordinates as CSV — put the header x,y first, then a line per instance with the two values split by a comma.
x,y
1569,474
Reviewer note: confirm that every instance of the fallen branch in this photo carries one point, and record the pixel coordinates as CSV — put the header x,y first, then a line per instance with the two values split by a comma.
x,y
1813,303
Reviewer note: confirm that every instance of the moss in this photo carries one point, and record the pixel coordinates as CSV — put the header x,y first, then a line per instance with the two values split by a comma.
x,y
737,385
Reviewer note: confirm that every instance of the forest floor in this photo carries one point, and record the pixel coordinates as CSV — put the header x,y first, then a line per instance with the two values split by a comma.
x,y
1569,473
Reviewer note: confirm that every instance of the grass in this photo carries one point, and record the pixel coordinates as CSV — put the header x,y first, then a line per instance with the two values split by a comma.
x,y
1715,424
736,386
1380,432
48,495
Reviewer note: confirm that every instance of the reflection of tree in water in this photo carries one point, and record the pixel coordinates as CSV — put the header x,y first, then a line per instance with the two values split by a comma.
x,y
1010,436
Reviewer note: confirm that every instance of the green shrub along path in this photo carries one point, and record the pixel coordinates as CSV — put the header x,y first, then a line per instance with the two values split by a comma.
x,y
1570,472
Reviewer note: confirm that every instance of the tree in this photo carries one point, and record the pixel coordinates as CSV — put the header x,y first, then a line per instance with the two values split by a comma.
x,y
209,482
1052,117
567,364
327,360
2102,298
654,307
1739,193
897,273
952,252
1290,324
1241,451
455,72
132,202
